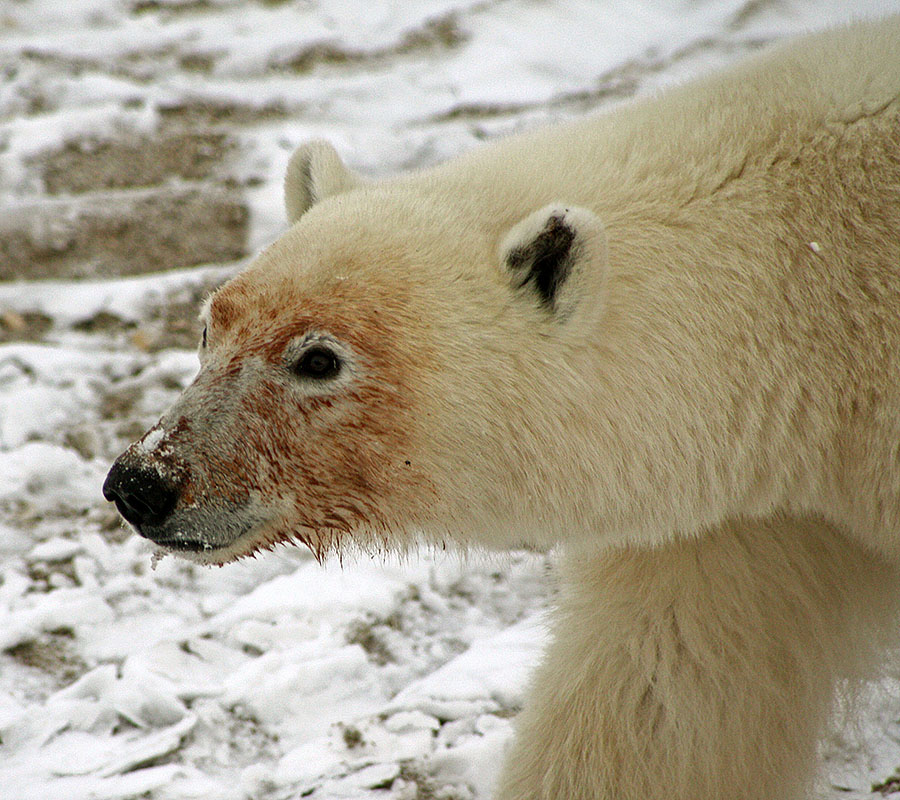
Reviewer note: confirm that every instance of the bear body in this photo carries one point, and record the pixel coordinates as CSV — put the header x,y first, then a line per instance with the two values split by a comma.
x,y
665,338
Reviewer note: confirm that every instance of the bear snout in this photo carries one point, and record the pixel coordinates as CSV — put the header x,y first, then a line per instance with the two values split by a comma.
x,y
143,496
159,498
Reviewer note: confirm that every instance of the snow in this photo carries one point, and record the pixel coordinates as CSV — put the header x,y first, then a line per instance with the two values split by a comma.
x,y
70,302
278,677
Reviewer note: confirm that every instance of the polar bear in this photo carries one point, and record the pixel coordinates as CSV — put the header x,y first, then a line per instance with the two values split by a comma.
x,y
665,339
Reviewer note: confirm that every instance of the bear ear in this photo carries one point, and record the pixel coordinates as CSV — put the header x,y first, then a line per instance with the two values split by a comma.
x,y
314,172
558,256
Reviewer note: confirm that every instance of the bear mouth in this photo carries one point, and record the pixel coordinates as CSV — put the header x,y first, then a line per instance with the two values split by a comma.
x,y
181,545
211,537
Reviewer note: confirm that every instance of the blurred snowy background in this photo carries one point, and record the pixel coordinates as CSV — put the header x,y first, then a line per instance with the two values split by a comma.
x,y
142,146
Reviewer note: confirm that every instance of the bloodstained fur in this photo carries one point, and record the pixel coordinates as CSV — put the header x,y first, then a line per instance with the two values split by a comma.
x,y
341,457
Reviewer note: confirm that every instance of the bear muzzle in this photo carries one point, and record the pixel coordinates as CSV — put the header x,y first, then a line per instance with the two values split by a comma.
x,y
143,496
147,499
160,504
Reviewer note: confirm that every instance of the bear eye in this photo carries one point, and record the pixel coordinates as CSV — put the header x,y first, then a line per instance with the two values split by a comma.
x,y
203,337
318,363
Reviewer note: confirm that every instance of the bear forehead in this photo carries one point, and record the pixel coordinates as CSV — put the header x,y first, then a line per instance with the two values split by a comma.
x,y
344,307
351,269
373,312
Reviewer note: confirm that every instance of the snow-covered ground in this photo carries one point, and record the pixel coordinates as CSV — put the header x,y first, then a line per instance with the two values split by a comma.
x,y
142,144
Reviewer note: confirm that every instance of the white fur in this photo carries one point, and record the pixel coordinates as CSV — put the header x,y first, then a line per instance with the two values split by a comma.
x,y
718,443
712,431
314,171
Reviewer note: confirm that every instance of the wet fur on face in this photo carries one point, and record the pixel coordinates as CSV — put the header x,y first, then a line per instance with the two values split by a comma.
x,y
262,456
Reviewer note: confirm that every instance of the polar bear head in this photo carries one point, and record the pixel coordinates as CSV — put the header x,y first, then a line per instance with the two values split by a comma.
x,y
400,362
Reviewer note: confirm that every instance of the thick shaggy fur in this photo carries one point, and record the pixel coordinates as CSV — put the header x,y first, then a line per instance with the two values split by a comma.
x,y
664,338
703,668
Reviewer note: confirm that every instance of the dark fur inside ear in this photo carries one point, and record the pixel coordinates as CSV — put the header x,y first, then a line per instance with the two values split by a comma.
x,y
557,258
546,261
305,179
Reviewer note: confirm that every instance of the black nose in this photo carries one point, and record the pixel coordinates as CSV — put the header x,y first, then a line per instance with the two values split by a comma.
x,y
142,495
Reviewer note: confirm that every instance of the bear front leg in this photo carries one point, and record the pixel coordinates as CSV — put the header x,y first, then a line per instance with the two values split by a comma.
x,y
703,668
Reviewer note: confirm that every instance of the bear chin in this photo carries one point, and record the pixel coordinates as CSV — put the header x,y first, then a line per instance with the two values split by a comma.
x,y
243,542
251,540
